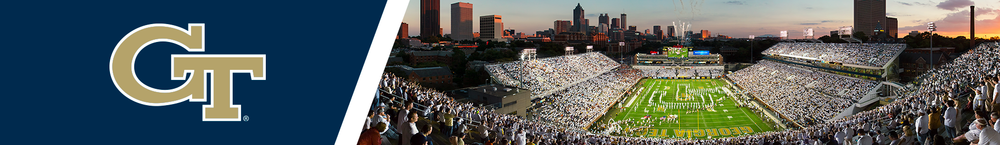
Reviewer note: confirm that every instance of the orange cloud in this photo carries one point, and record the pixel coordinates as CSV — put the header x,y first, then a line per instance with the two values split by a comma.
x,y
957,24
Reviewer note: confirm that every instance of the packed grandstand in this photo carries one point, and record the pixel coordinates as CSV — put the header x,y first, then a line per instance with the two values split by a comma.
x,y
865,54
580,88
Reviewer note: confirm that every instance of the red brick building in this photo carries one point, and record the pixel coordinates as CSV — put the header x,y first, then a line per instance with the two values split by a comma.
x,y
436,75
417,57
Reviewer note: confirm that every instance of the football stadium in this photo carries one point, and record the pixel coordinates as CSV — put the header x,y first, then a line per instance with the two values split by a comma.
x,y
799,93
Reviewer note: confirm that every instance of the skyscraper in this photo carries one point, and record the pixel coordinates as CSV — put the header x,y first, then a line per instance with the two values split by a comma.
x,y
624,25
616,34
867,14
670,31
430,18
603,28
892,27
603,19
658,31
578,20
615,24
562,26
404,31
631,28
705,34
490,27
461,21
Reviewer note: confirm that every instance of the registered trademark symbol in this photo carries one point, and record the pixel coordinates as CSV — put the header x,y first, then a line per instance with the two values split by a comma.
x,y
246,118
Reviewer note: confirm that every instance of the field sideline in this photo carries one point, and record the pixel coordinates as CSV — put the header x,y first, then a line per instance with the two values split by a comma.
x,y
681,109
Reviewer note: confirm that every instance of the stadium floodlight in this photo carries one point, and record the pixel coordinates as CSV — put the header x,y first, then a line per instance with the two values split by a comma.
x,y
620,51
931,28
751,48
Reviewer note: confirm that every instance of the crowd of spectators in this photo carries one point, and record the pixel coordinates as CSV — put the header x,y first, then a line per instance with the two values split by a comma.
x,y
671,73
578,105
659,72
831,84
865,54
952,104
540,75
708,72
792,100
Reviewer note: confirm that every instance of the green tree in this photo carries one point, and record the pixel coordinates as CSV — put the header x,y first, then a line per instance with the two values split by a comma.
x,y
431,39
398,43
458,64
551,49
486,45
861,36
475,56
404,56
474,78
397,71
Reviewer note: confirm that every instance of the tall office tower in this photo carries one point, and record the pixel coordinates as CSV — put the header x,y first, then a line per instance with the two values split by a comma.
x,y
658,31
892,26
616,34
490,27
461,21
578,21
670,31
624,25
705,34
603,19
430,18
603,28
615,24
867,14
562,26
403,31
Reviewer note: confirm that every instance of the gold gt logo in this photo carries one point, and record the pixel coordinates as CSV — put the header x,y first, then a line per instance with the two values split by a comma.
x,y
195,67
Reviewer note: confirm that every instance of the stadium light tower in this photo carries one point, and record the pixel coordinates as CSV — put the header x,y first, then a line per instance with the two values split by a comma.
x,y
620,51
751,48
931,28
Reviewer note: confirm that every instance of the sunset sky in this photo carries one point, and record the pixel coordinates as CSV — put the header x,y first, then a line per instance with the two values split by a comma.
x,y
737,19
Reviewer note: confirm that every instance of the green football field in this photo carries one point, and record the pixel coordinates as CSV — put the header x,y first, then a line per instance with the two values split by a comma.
x,y
658,98
677,52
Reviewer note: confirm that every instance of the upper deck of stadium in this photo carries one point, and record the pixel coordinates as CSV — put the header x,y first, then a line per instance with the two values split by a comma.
x,y
862,55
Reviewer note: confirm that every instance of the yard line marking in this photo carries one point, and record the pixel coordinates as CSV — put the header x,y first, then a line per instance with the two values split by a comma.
x,y
751,120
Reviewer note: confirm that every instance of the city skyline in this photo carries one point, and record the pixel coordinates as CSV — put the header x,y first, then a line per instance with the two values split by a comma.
x,y
737,19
